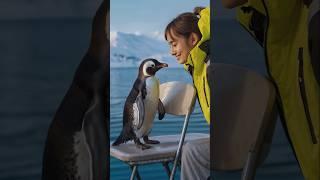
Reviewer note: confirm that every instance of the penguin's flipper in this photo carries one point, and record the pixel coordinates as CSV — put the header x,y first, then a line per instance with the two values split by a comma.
x,y
138,112
161,110
144,90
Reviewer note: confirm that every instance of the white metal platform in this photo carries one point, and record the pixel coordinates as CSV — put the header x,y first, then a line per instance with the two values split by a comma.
x,y
157,153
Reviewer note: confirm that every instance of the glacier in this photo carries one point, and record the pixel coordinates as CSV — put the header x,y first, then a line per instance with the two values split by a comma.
x,y
129,49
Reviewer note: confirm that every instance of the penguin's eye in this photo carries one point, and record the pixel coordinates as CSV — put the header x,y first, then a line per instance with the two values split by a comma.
x,y
152,65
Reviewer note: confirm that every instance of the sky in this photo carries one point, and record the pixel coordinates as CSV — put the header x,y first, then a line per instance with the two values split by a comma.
x,y
150,17
147,16
127,14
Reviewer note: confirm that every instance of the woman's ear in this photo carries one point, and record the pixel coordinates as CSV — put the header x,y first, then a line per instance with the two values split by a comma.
x,y
194,39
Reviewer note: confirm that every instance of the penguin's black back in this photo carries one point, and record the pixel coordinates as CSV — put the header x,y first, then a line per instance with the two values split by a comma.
x,y
127,132
76,145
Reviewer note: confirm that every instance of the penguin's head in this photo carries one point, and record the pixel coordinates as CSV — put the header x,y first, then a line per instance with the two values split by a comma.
x,y
149,67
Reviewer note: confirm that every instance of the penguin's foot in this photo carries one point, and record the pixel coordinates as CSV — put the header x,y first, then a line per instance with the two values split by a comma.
x,y
141,145
149,141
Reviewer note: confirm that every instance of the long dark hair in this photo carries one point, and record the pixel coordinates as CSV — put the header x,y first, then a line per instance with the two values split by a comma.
x,y
185,24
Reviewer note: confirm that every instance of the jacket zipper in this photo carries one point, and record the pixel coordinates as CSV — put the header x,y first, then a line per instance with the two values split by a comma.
x,y
282,115
204,87
304,97
204,90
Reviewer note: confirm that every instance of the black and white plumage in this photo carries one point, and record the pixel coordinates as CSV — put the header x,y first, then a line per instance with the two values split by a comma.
x,y
141,106
76,146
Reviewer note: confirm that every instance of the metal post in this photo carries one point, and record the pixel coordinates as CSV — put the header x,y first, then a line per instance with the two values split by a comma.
x,y
184,130
135,173
166,167
249,170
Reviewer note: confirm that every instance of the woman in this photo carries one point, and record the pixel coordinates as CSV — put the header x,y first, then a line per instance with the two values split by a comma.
x,y
188,36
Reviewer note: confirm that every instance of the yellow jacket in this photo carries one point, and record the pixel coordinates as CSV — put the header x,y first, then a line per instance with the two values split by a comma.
x,y
196,64
281,27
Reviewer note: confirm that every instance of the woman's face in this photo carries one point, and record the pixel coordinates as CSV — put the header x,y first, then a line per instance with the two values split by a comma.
x,y
180,46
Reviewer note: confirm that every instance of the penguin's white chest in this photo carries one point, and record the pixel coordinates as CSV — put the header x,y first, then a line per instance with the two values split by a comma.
x,y
150,106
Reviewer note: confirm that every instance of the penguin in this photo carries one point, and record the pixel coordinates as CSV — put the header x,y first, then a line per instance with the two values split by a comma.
x,y
141,106
77,142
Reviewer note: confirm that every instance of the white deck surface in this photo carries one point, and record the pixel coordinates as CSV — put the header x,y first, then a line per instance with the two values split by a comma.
x,y
165,150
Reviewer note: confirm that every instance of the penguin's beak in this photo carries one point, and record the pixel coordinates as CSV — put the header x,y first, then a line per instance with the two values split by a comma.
x,y
162,65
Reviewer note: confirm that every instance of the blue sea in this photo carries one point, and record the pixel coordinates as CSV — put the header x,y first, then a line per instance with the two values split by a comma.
x,y
38,60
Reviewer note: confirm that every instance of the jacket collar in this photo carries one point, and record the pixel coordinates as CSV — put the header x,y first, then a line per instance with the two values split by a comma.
x,y
203,44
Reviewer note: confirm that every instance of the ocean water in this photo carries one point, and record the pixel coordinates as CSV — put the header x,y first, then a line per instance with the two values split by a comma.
x,y
38,60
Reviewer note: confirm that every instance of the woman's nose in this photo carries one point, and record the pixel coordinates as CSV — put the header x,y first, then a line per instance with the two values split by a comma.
x,y
172,51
